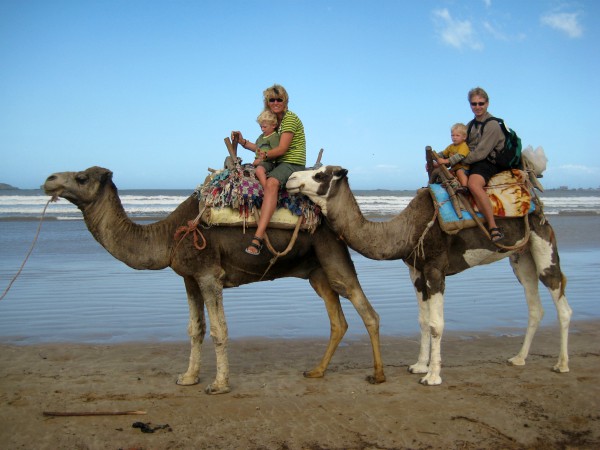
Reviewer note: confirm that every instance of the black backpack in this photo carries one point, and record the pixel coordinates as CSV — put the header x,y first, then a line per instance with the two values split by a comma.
x,y
510,155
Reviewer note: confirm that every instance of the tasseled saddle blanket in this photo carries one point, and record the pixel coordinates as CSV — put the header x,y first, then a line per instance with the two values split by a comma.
x,y
231,195
508,191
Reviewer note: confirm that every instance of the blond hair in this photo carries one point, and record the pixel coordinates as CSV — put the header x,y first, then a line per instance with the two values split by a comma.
x,y
267,116
480,93
460,128
275,91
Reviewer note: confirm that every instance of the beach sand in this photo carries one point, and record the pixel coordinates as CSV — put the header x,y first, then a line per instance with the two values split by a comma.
x,y
482,403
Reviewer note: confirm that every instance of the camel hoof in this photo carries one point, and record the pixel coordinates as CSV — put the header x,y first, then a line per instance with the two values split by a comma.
x,y
418,368
516,361
213,390
314,374
560,369
185,380
376,379
431,380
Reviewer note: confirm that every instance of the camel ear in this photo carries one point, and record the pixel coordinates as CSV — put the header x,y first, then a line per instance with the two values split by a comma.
x,y
106,176
341,173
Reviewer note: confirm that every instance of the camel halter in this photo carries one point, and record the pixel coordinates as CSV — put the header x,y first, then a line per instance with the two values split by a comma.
x,y
52,199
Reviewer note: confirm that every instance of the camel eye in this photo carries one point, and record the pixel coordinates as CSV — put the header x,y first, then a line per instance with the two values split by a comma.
x,y
319,176
81,179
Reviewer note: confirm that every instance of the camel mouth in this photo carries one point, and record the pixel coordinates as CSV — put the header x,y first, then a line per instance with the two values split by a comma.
x,y
53,193
295,189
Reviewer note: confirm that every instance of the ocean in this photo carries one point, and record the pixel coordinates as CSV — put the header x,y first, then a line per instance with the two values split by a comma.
x,y
72,290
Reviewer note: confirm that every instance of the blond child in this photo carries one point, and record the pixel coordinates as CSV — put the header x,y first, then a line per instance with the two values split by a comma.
x,y
268,139
456,152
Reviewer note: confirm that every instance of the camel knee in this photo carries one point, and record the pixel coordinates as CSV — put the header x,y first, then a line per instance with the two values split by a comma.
x,y
339,329
536,314
436,330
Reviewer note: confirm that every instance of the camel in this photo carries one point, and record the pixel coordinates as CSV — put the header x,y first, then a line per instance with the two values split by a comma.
x,y
430,254
319,257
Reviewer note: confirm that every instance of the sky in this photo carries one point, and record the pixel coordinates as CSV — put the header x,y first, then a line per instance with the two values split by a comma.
x,y
150,89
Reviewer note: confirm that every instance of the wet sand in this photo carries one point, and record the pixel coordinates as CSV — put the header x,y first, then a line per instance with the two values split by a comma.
x,y
482,403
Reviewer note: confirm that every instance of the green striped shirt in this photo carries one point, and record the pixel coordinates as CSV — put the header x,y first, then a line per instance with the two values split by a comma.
x,y
296,153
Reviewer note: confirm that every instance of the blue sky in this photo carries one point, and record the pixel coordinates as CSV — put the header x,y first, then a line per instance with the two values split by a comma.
x,y
149,89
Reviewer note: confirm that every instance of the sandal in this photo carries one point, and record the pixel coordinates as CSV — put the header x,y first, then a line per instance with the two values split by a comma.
x,y
463,190
258,246
496,234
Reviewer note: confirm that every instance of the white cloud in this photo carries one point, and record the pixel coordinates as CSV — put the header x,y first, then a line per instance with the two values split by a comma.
x,y
456,33
566,22
494,32
501,36
487,3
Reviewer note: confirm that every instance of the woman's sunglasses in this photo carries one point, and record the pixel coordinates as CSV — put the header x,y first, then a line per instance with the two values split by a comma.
x,y
273,100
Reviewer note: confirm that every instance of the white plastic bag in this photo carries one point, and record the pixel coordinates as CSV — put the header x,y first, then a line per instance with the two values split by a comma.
x,y
536,158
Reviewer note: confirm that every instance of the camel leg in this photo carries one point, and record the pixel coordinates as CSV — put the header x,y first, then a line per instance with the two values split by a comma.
x,y
436,329
196,332
429,286
337,321
548,266
524,268
343,280
371,320
422,364
212,292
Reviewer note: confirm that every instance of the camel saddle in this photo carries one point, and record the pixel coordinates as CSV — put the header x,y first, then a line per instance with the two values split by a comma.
x,y
232,197
509,193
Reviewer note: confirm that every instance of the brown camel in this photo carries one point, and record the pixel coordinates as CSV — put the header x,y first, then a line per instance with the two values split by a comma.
x,y
430,254
319,257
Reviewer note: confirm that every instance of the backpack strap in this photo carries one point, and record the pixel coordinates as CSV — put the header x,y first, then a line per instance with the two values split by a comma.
x,y
472,122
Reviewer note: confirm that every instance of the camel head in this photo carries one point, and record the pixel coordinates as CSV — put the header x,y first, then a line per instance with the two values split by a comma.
x,y
318,185
80,188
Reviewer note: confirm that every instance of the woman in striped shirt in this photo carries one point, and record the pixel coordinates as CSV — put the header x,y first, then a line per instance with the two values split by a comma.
x,y
276,165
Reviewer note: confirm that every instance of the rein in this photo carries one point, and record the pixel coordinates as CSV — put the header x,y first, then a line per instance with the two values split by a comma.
x,y
52,199
482,227
275,253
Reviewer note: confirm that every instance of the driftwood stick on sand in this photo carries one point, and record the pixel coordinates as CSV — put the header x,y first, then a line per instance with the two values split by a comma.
x,y
92,413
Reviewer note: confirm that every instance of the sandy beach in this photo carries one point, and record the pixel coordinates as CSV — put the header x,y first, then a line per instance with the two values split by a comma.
x,y
482,403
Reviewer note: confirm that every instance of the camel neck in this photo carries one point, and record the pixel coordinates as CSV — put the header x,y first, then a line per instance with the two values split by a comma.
x,y
138,246
376,240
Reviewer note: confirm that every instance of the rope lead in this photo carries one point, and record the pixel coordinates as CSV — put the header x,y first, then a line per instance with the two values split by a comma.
x,y
52,199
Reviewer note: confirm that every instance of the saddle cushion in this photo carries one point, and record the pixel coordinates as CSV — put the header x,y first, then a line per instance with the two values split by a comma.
x,y
231,197
508,193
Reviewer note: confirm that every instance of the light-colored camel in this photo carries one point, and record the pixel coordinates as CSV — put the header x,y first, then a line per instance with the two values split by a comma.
x,y
430,254
319,257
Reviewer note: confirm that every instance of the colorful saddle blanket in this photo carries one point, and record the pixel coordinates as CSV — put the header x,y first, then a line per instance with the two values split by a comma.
x,y
509,194
231,195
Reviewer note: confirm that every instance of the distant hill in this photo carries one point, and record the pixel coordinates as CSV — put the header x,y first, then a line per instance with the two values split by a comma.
x,y
7,187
